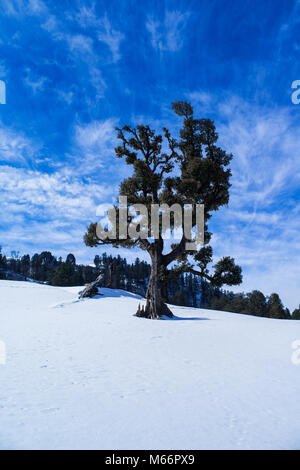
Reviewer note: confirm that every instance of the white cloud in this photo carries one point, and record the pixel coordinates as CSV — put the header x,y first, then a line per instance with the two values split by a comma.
x,y
16,147
87,18
23,7
47,211
167,35
96,133
35,83
95,143
80,50
111,37
42,194
66,96
51,24
79,44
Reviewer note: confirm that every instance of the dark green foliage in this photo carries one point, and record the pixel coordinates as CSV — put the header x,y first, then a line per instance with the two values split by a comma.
x,y
237,304
43,266
287,314
226,272
3,265
97,261
202,177
2,259
257,304
275,307
253,303
63,276
296,314
179,298
25,265
70,259
218,303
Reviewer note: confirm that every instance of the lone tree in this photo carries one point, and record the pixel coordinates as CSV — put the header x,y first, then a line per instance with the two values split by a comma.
x,y
191,170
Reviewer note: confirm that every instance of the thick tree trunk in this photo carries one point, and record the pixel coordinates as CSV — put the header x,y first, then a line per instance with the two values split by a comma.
x,y
155,305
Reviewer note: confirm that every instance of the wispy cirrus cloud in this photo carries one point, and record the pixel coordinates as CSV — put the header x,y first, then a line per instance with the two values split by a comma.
x,y
16,147
35,82
167,34
111,37
264,140
87,17
80,52
93,145
60,195
23,7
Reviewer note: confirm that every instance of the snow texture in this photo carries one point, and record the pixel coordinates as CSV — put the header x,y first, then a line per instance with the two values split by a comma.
x,y
88,374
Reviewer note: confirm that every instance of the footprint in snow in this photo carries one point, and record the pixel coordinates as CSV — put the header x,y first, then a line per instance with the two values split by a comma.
x,y
50,410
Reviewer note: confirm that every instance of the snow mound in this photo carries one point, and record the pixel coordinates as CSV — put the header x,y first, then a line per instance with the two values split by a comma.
x,y
88,374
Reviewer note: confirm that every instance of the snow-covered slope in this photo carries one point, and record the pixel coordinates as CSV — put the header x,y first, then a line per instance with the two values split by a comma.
x,y
88,374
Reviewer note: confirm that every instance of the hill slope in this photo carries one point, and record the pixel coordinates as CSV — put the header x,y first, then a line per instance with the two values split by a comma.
x,y
88,374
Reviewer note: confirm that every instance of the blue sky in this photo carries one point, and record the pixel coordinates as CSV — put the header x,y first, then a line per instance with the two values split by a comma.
x,y
74,70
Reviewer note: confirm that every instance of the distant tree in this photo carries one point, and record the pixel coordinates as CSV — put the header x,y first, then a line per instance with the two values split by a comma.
x,y
25,265
287,313
238,303
257,304
218,303
71,259
209,293
296,314
275,307
3,262
202,178
63,276
97,261
3,265
179,297
15,254
35,266
14,264
47,264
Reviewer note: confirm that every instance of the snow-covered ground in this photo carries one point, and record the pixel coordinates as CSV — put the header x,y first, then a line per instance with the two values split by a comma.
x,y
88,374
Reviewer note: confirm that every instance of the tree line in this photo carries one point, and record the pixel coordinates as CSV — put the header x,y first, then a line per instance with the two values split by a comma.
x,y
184,289
253,303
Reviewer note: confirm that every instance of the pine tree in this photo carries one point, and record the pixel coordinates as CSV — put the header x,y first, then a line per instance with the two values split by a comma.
x,y
71,259
63,276
47,264
3,262
35,266
97,261
257,304
275,307
3,265
25,265
237,304
203,179
296,314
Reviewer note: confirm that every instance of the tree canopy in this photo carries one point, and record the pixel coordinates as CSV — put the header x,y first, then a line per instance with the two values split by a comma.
x,y
189,170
